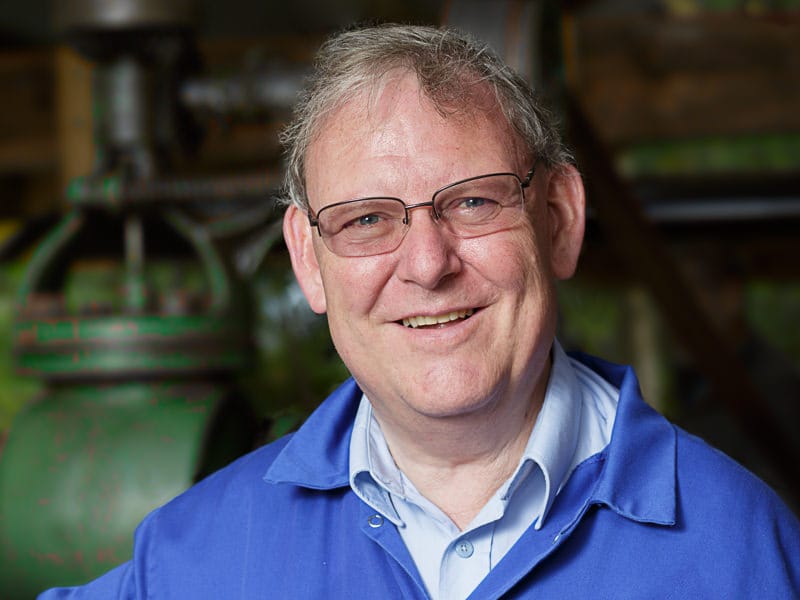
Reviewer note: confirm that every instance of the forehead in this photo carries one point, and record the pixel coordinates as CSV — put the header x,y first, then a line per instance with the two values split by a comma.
x,y
392,132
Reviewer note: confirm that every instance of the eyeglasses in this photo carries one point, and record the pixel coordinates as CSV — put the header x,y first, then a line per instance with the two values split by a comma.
x,y
468,208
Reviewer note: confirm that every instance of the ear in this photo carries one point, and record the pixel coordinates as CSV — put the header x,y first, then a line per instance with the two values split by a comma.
x,y
566,203
298,237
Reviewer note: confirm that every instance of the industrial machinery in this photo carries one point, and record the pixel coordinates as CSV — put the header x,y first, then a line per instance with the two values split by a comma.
x,y
139,399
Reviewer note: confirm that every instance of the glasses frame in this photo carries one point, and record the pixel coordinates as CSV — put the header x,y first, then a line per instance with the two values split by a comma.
x,y
313,220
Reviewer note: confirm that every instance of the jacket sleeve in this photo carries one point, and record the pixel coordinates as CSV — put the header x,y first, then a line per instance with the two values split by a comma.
x,y
777,561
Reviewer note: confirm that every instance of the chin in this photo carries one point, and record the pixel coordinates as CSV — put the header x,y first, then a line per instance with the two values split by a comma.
x,y
455,404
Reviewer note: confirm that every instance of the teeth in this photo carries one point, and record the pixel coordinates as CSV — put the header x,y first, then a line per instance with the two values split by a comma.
x,y
437,320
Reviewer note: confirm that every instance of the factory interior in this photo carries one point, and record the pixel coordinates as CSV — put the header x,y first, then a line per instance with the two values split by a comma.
x,y
151,330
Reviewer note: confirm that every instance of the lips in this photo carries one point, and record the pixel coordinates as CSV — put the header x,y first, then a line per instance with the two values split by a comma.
x,y
428,320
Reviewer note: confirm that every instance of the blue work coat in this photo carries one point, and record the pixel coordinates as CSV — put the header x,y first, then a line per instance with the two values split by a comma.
x,y
657,514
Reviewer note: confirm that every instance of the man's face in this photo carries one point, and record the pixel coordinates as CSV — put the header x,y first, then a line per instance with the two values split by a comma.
x,y
394,143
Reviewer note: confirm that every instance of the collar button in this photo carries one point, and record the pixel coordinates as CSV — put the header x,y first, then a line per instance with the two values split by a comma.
x,y
465,549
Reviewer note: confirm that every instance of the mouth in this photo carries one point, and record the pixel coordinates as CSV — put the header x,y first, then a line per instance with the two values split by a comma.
x,y
437,320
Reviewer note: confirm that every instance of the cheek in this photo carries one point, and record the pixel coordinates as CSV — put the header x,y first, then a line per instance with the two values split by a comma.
x,y
353,285
511,260
534,251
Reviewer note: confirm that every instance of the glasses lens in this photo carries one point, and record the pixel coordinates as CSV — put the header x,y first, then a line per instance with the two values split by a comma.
x,y
362,227
482,205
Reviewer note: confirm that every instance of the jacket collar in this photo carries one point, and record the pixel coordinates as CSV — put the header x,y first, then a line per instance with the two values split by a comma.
x,y
639,478
317,455
637,481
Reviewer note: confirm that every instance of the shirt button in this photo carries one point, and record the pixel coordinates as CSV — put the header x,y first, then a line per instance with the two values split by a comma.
x,y
464,548
375,521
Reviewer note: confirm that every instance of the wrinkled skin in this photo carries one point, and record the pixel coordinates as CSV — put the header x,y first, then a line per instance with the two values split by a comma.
x,y
485,374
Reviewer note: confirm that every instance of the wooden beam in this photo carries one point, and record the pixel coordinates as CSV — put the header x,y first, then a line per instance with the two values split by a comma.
x,y
642,77
73,78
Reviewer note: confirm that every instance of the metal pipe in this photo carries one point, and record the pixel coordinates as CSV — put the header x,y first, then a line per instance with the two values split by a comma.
x,y
115,192
272,89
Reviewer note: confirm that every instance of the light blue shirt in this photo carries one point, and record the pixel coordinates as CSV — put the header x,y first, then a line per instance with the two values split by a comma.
x,y
574,423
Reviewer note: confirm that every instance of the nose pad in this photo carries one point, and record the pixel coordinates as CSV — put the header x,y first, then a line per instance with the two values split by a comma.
x,y
429,203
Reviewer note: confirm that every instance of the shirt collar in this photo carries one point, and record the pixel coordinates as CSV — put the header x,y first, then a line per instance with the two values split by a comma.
x,y
551,446
373,473
552,443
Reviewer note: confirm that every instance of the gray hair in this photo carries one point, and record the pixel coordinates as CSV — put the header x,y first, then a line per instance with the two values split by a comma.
x,y
447,64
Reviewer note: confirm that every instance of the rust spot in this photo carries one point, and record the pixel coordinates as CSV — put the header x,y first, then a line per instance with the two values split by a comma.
x,y
50,557
27,337
106,555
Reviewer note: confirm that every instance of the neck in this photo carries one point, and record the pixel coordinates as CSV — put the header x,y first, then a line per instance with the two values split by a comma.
x,y
459,462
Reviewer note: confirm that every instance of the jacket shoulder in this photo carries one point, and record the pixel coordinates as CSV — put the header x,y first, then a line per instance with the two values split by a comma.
x,y
719,499
703,468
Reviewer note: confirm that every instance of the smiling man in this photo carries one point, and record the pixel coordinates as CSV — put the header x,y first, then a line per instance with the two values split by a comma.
x,y
432,209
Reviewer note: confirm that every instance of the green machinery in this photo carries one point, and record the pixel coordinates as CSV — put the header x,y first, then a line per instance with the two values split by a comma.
x,y
139,400
137,406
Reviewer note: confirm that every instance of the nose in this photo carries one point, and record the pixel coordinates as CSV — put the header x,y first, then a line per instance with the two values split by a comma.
x,y
428,254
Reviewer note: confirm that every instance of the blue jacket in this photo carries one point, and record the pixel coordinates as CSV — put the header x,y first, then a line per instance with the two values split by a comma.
x,y
657,514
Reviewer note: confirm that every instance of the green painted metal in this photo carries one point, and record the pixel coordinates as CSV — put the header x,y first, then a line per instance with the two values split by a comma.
x,y
137,404
76,223
135,286
105,190
83,464
44,257
126,346
209,257
763,153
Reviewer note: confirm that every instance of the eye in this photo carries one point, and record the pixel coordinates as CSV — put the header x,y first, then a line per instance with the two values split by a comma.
x,y
373,216
364,221
468,206
472,202
368,220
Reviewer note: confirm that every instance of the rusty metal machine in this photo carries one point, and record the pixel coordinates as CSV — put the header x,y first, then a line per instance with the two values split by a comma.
x,y
139,398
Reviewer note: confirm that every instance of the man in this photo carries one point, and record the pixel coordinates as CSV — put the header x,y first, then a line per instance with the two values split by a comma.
x,y
432,211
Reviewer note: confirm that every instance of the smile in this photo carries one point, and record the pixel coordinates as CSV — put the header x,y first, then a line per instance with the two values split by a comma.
x,y
425,320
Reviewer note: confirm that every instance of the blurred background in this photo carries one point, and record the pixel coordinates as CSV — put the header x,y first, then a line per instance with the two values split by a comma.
x,y
150,327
